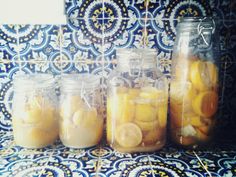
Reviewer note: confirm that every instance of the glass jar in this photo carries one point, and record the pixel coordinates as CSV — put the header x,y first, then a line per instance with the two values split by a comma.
x,y
34,117
194,82
136,103
81,121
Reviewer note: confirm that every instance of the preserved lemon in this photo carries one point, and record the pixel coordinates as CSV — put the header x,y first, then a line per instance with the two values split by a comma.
x,y
145,112
204,75
69,105
128,135
205,103
146,126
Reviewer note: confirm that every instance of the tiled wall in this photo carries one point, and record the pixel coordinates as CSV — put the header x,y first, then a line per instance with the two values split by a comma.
x,y
97,28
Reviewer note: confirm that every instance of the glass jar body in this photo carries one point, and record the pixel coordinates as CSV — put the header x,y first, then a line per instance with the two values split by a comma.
x,y
136,108
194,83
81,120
35,115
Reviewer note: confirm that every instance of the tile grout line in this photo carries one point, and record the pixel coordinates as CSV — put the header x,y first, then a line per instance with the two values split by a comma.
x,y
99,164
46,164
18,44
202,164
150,164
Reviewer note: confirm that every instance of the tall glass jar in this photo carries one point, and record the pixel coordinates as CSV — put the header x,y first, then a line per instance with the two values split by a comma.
x,y
136,103
34,117
194,83
81,121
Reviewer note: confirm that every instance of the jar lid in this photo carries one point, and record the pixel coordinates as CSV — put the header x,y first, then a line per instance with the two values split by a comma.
x,y
72,82
33,81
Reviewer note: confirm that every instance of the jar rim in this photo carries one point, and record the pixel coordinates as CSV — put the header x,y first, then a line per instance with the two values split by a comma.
x,y
75,82
146,56
33,81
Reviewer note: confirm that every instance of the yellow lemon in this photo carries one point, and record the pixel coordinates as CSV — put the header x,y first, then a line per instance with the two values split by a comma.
x,y
69,105
150,93
202,136
182,66
182,92
203,75
90,117
33,116
195,121
121,108
213,73
86,117
49,119
78,117
38,137
128,135
147,126
133,93
162,115
145,112
205,103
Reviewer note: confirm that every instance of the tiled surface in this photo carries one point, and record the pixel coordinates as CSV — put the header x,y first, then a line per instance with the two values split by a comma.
x,y
88,44
57,160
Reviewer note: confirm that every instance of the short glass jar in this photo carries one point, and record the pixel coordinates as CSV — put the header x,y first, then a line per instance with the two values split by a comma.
x,y
136,103
81,121
34,117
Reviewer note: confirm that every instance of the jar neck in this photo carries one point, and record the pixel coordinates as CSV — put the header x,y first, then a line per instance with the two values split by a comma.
x,y
136,59
33,82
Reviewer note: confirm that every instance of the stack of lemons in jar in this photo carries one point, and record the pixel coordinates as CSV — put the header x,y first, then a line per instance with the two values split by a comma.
x,y
136,119
81,125
193,101
35,122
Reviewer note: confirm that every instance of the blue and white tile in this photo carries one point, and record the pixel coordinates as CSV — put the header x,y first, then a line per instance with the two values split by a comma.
x,y
21,165
172,166
39,42
82,39
182,8
8,40
106,9
122,33
84,8
80,162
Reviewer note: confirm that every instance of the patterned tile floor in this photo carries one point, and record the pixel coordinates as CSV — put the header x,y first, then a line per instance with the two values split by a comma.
x,y
102,161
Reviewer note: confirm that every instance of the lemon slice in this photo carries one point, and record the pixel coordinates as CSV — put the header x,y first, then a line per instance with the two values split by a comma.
x,y
128,135
33,116
145,112
147,126
205,103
